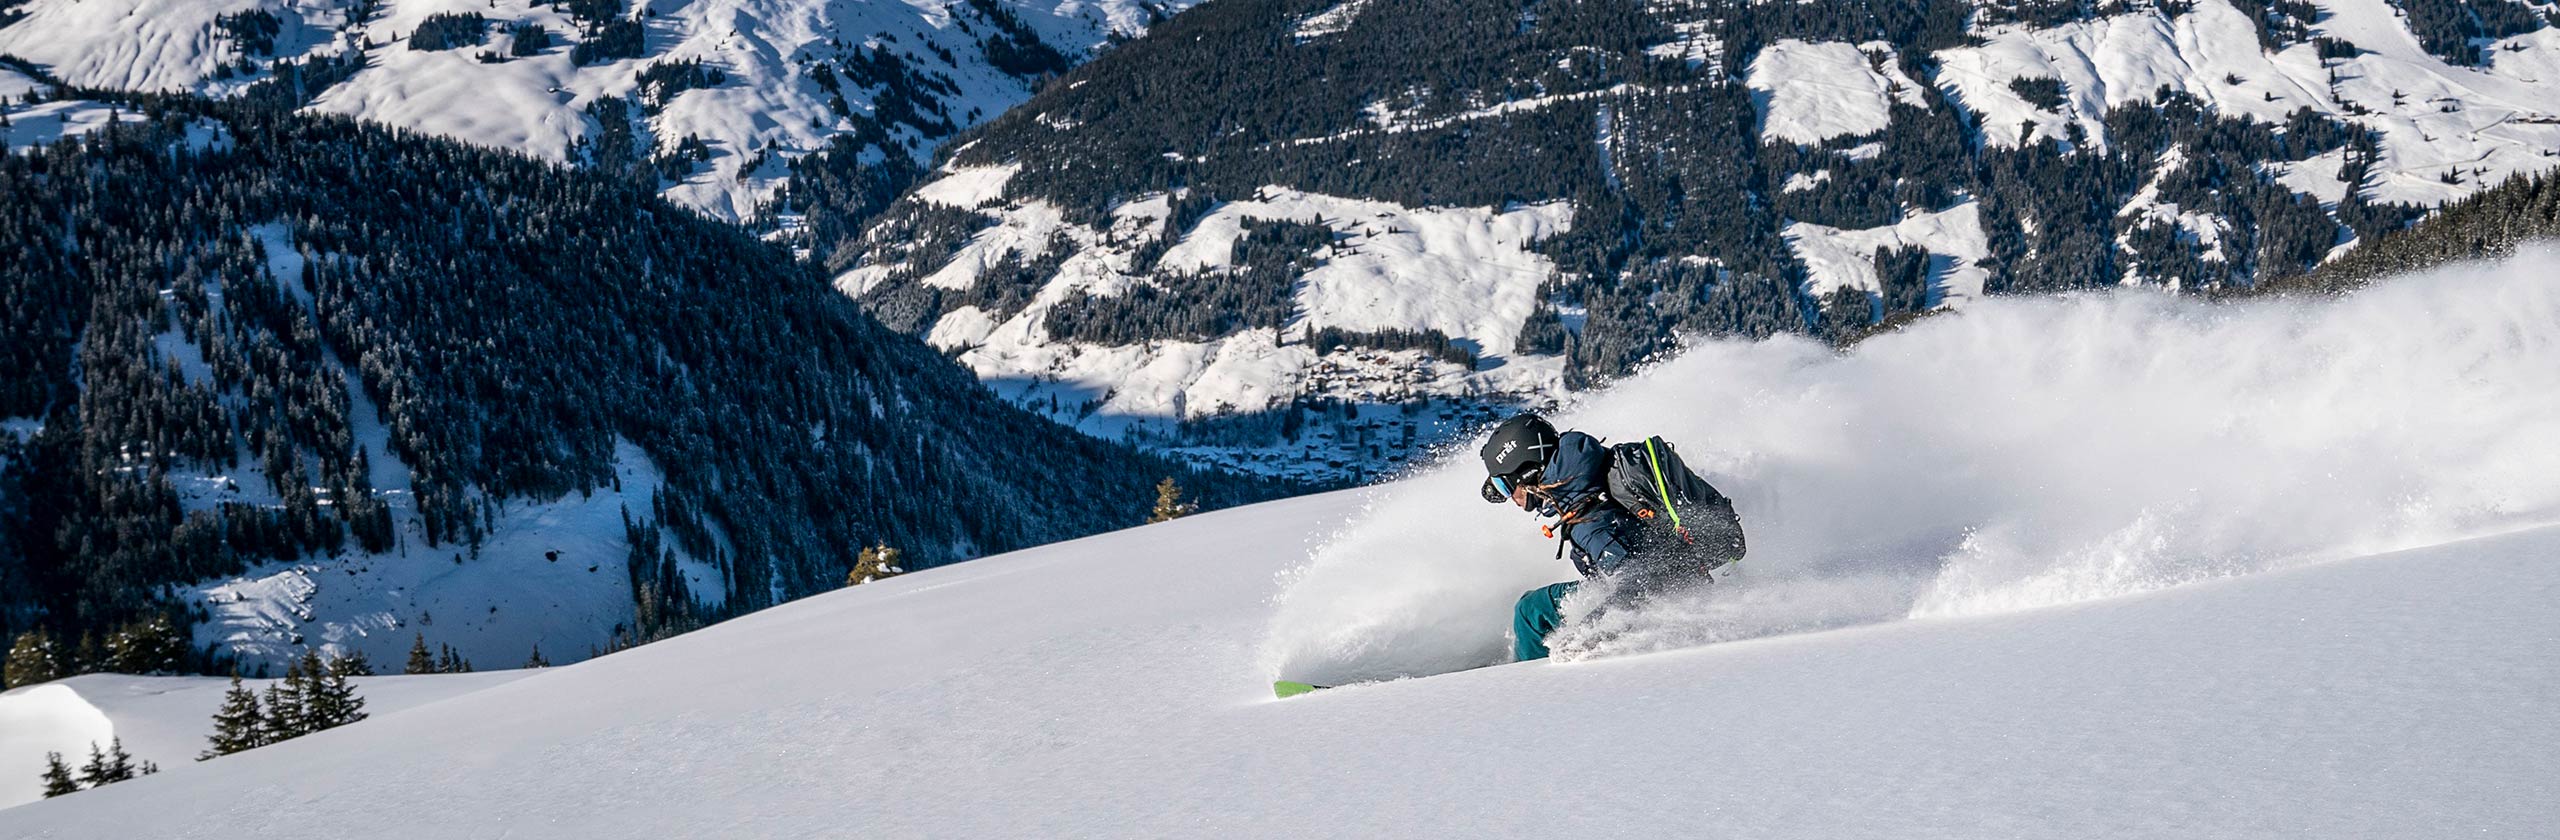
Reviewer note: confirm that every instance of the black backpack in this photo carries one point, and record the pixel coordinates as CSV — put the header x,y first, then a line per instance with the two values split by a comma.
x,y
1648,480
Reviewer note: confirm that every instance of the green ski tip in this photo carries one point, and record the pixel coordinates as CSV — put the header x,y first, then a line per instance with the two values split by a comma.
x,y
1287,689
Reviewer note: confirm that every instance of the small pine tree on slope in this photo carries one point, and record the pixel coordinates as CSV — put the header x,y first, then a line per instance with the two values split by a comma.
x,y
1169,503
237,725
111,766
334,701
873,564
57,776
421,660
286,705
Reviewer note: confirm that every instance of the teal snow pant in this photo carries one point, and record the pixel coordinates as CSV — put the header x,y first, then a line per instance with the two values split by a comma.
x,y
1539,612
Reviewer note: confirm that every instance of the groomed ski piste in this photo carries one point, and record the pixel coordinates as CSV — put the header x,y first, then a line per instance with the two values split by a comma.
x,y
2119,565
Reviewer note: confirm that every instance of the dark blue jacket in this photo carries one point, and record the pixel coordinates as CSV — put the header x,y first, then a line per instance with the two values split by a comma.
x,y
1604,537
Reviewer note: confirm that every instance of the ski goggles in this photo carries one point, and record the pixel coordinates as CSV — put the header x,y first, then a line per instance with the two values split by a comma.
x,y
1498,488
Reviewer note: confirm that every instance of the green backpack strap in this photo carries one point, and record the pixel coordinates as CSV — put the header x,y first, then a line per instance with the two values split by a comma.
x,y
1662,489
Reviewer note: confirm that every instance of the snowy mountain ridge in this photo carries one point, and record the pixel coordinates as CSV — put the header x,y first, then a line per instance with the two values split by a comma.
x,y
895,78
2414,130
2141,607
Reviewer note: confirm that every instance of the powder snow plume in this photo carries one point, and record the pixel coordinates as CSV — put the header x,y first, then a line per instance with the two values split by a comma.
x,y
2025,452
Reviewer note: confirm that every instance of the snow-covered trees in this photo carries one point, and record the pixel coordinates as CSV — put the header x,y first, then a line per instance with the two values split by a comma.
x,y
2490,223
32,660
448,30
1681,200
150,645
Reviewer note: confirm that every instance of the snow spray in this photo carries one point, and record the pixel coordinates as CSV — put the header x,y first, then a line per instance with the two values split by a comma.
x,y
2020,453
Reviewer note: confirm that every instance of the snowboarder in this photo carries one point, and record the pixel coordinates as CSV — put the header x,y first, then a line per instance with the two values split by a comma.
x,y
1631,515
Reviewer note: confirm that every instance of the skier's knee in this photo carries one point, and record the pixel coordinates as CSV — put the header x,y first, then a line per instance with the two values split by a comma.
x,y
1538,612
1533,606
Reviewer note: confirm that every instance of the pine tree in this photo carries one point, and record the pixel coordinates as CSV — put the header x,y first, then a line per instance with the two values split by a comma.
x,y
874,563
1169,503
119,763
236,726
149,646
536,660
31,660
286,716
321,707
353,664
337,703
97,771
57,776
421,661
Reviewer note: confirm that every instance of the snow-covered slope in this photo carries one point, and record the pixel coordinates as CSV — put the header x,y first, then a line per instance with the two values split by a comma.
x,y
1868,145
551,572
773,103
2446,131
1468,272
163,720
2161,600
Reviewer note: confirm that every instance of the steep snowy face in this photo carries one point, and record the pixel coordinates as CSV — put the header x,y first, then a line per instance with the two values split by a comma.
x,y
716,97
1695,170
2097,445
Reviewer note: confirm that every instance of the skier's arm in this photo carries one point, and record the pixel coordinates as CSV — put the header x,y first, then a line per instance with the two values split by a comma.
x,y
1601,544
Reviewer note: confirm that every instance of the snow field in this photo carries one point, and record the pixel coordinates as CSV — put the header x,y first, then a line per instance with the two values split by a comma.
x,y
51,122
164,719
1834,258
2020,453
1810,92
1105,688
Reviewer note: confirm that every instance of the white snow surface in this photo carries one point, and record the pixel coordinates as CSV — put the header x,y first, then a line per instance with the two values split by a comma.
x,y
2479,125
50,122
969,187
1834,257
770,100
14,86
1332,21
163,719
2167,568
1814,91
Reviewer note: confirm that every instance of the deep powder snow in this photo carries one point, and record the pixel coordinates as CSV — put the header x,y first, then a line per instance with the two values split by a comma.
x,y
2023,453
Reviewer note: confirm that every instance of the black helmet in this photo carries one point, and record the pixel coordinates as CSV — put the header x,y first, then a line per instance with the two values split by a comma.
x,y
1517,451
